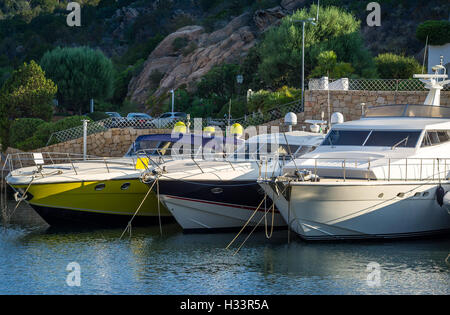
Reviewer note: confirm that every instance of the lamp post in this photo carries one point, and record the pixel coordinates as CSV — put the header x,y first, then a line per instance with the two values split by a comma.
x,y
309,20
173,99
239,80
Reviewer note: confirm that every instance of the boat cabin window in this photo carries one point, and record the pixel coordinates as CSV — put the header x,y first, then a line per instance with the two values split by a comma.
x,y
435,137
303,150
372,138
346,137
403,139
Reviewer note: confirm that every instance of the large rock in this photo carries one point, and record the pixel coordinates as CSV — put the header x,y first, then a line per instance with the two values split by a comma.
x,y
292,4
187,65
266,18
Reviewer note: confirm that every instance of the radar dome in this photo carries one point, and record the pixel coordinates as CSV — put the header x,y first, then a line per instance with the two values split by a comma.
x,y
337,118
290,119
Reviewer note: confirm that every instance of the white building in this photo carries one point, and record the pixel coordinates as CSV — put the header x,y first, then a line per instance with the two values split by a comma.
x,y
435,53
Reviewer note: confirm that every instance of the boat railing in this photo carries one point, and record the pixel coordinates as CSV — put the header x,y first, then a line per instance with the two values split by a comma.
x,y
14,161
386,169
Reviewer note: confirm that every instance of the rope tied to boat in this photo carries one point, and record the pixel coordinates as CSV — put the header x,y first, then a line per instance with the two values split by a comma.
x,y
257,224
19,199
128,227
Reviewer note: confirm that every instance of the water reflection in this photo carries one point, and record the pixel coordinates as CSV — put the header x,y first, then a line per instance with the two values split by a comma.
x,y
34,259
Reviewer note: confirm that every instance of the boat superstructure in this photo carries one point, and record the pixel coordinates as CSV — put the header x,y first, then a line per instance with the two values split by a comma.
x,y
221,195
386,175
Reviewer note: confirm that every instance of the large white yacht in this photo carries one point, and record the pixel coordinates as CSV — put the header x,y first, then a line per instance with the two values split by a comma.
x,y
386,175
222,195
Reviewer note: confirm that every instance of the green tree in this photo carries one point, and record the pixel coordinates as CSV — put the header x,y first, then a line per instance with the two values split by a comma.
x,y
391,66
327,65
337,30
81,73
438,32
27,93
220,81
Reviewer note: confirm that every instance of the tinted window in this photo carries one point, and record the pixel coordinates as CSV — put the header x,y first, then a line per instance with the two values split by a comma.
x,y
435,137
346,137
165,115
393,138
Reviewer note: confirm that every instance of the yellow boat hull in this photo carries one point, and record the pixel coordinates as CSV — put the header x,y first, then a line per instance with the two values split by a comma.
x,y
85,203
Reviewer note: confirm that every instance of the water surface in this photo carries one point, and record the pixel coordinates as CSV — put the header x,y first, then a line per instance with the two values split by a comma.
x,y
33,260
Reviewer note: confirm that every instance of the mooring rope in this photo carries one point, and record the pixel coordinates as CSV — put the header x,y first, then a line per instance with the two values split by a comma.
x,y
20,200
159,210
254,228
128,228
248,221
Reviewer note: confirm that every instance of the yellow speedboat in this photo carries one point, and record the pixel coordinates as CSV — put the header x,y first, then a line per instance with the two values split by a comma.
x,y
67,190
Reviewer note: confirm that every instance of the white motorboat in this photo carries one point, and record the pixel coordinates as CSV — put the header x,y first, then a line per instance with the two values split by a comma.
x,y
222,195
386,175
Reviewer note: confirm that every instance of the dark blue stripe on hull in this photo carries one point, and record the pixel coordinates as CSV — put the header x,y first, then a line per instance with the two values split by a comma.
x,y
242,193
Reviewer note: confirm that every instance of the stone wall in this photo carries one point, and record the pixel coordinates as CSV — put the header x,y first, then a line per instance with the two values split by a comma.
x,y
113,142
349,103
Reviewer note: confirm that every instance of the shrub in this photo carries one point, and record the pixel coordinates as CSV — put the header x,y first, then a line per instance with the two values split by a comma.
x,y
438,32
264,100
156,77
391,66
220,80
97,115
45,130
179,43
22,129
327,65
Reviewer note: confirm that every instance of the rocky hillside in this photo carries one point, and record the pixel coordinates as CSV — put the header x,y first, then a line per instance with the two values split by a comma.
x,y
202,51
169,67
158,45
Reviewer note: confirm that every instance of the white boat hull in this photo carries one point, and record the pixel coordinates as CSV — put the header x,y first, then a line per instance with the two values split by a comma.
x,y
206,216
327,211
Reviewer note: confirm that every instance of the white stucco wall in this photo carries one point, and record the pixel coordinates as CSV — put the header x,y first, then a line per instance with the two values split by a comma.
x,y
434,54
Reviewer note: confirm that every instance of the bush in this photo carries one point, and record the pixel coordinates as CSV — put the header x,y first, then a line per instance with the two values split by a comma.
x,y
438,32
220,80
327,65
391,66
95,116
44,130
22,129
179,43
264,100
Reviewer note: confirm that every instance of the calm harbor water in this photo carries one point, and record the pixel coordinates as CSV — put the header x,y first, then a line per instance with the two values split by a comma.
x,y
34,258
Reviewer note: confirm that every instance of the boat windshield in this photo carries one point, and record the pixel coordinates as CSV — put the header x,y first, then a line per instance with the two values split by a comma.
x,y
373,138
257,150
408,110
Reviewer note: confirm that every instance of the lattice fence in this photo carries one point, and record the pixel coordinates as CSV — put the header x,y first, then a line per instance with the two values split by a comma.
x,y
372,85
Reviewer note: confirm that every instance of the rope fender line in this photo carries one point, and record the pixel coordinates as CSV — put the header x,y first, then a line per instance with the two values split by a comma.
x,y
128,227
257,224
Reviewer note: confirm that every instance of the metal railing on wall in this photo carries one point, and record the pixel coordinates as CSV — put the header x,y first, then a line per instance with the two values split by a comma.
x,y
369,84
253,119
